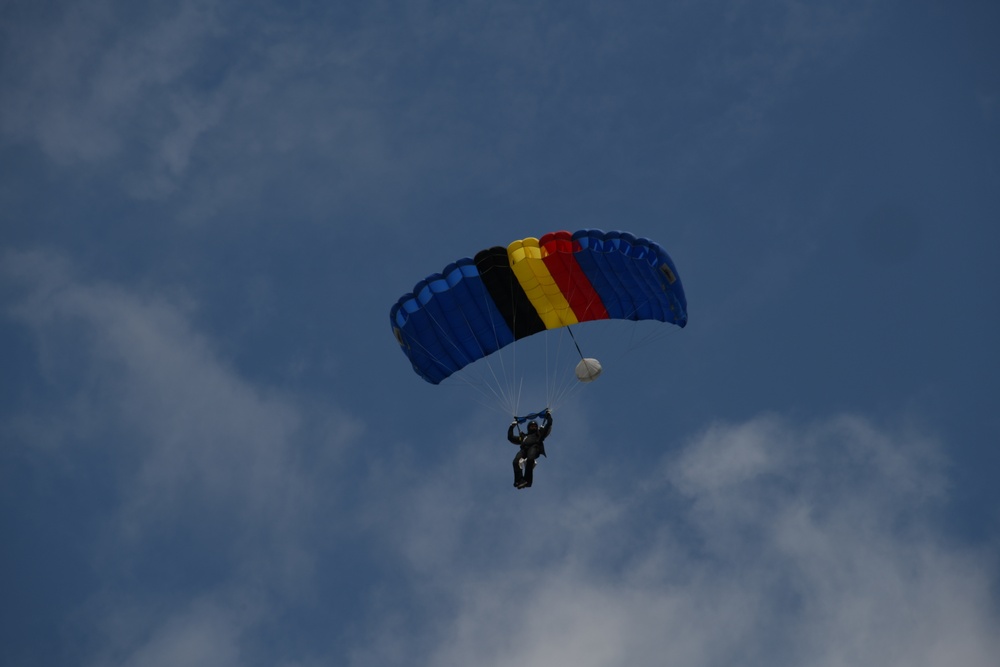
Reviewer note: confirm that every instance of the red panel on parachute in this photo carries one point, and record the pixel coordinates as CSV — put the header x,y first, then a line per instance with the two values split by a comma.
x,y
557,253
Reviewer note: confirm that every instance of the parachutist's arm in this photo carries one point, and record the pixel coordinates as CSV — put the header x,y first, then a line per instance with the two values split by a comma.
x,y
546,424
516,439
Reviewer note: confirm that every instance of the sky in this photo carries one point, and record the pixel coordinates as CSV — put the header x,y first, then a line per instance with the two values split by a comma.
x,y
214,453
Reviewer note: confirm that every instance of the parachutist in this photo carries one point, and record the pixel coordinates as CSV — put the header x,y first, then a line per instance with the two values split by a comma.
x,y
531,447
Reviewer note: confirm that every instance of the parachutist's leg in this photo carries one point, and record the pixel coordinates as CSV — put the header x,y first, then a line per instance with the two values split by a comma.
x,y
531,454
529,469
518,477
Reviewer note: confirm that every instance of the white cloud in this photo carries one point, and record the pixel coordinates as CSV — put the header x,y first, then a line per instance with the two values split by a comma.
x,y
203,632
209,467
762,543
151,94
198,431
220,108
84,80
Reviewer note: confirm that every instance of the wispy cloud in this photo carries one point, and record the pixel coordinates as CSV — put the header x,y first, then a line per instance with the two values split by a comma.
x,y
200,457
766,542
214,105
206,631
142,93
763,543
86,85
206,102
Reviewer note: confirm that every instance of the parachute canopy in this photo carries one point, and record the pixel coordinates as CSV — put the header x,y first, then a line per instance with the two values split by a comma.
x,y
476,306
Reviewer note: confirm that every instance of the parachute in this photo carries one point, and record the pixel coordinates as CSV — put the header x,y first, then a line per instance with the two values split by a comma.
x,y
477,306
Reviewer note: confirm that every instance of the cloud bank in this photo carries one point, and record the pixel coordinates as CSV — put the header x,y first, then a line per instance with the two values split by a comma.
x,y
201,491
759,543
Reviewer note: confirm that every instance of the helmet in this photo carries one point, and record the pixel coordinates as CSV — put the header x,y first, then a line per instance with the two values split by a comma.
x,y
532,426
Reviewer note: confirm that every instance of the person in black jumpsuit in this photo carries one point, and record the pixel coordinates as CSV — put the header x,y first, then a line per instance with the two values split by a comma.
x,y
532,446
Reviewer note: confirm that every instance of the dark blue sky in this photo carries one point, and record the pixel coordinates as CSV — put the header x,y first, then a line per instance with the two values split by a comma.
x,y
213,451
